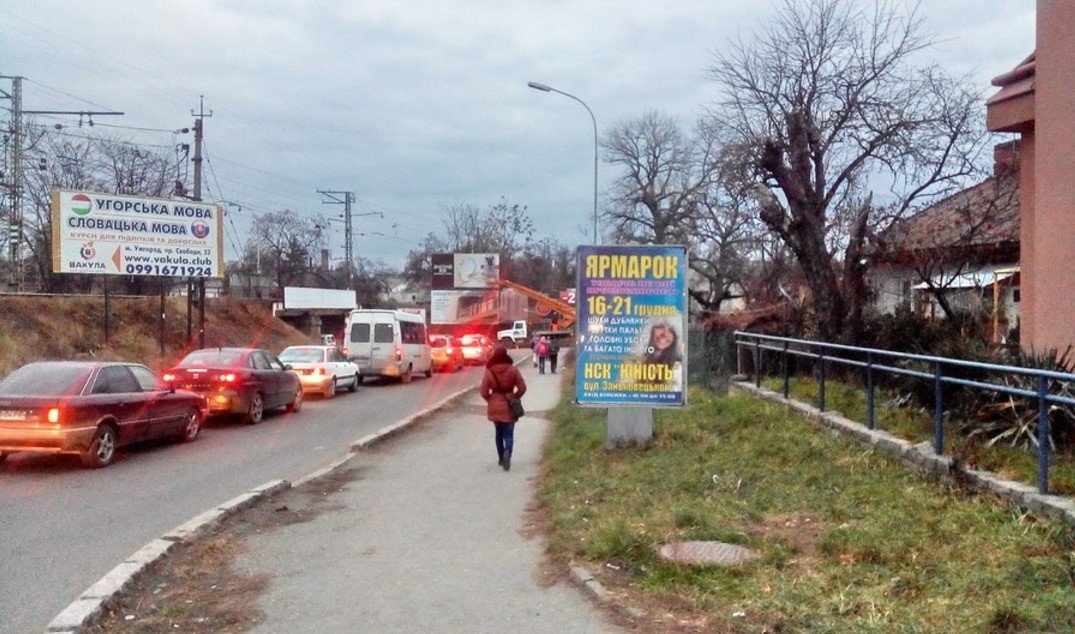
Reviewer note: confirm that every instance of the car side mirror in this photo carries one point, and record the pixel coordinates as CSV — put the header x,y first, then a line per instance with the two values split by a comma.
x,y
287,366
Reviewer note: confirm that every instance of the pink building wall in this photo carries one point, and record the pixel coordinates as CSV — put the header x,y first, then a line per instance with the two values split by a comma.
x,y
1049,245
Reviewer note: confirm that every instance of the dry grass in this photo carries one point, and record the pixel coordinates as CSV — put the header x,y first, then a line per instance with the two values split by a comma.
x,y
35,328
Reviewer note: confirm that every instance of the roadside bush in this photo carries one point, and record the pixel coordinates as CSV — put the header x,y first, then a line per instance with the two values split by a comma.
x,y
1014,420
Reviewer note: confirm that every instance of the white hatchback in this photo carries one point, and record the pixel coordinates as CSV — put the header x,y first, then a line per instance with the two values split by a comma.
x,y
322,369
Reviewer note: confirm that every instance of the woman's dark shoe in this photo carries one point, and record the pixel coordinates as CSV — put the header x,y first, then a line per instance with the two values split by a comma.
x,y
505,460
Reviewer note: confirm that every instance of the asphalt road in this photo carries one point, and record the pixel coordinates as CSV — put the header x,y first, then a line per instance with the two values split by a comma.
x,y
62,527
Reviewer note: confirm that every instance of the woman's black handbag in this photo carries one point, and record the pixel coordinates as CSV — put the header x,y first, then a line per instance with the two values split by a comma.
x,y
515,406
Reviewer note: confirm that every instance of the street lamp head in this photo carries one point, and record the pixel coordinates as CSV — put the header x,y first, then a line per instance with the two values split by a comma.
x,y
536,86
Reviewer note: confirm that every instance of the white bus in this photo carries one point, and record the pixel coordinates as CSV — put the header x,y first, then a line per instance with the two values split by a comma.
x,y
390,343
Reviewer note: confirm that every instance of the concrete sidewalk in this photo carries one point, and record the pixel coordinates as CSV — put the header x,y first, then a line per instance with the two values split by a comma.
x,y
431,537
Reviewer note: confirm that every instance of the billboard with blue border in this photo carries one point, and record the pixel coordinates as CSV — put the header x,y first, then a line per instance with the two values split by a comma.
x,y
632,326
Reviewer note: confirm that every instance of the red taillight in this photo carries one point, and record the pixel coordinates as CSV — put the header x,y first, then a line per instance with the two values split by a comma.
x,y
319,371
228,377
399,354
54,415
449,350
168,377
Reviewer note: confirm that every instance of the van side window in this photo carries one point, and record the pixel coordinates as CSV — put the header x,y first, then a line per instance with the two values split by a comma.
x,y
360,333
382,333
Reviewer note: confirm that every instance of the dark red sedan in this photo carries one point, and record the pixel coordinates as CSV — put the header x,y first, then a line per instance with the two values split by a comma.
x,y
243,381
91,409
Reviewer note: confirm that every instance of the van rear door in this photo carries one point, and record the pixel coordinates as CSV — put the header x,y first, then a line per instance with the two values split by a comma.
x,y
359,343
383,348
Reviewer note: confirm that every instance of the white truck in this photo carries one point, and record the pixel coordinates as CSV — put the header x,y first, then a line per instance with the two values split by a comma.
x,y
517,335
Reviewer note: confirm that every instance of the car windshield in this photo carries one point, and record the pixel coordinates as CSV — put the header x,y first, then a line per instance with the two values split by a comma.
x,y
45,379
303,355
213,358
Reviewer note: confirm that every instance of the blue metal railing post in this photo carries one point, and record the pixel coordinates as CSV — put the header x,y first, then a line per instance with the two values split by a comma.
x,y
784,369
1043,435
757,363
938,411
821,386
869,390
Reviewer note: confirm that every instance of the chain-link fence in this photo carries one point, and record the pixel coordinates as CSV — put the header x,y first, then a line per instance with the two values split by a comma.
x,y
710,358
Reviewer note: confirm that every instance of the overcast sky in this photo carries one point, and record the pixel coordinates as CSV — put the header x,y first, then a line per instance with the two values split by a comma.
x,y
411,105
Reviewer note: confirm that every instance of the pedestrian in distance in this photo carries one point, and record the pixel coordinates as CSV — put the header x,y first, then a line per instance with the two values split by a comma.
x,y
533,348
542,351
501,383
554,353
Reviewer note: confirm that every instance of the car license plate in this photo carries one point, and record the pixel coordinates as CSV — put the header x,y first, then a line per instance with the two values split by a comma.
x,y
12,414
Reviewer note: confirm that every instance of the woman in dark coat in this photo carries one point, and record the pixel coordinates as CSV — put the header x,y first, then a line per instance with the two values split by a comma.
x,y
502,381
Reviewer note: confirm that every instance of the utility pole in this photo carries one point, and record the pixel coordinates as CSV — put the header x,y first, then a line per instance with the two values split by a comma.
x,y
14,185
15,218
348,251
198,118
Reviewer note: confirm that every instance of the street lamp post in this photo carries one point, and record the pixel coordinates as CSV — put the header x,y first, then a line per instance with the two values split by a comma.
x,y
542,87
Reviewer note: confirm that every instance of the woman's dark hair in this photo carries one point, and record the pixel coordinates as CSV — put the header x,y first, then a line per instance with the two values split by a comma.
x,y
670,355
500,356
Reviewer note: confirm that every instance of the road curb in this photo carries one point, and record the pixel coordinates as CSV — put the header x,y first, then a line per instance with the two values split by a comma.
x,y
90,605
599,593
387,432
88,608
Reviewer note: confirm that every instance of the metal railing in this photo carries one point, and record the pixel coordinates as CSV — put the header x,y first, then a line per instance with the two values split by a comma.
x,y
874,361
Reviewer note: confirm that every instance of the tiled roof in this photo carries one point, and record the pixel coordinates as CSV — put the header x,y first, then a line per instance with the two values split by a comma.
x,y
984,215
1016,82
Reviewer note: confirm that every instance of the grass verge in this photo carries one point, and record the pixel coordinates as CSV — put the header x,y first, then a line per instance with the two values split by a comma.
x,y
849,540
916,424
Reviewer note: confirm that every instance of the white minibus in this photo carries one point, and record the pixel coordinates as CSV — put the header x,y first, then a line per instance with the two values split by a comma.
x,y
388,343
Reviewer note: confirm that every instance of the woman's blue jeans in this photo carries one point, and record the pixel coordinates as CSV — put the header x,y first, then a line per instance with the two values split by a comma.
x,y
505,438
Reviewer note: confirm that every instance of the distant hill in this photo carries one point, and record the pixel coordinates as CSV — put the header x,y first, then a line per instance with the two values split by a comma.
x,y
72,327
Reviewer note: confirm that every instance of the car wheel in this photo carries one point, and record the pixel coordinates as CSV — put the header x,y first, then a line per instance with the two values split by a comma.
x,y
330,391
296,403
355,383
3,457
192,426
257,409
508,343
406,376
102,448
429,372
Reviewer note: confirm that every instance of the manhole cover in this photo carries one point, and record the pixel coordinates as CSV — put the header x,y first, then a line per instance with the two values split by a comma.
x,y
716,553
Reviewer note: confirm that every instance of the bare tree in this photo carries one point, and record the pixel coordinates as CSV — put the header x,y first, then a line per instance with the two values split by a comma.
x,y
287,244
832,107
504,228
662,171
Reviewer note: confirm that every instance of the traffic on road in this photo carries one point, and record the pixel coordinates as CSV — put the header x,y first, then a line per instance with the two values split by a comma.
x,y
52,504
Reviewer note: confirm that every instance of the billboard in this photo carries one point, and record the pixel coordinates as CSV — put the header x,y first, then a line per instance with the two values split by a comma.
x,y
632,326
443,271
298,297
463,307
476,270
113,234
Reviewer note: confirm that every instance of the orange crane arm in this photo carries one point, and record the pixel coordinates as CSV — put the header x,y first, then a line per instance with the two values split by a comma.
x,y
567,311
